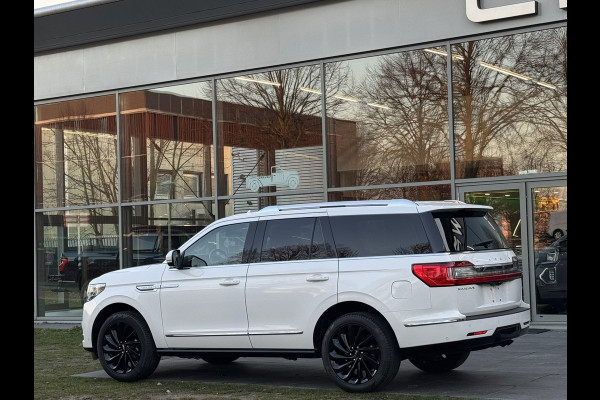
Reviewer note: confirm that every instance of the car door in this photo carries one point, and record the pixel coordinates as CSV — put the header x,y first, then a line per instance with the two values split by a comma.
x,y
292,281
203,304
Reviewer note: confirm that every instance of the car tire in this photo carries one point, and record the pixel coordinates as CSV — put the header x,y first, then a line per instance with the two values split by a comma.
x,y
360,369
442,362
125,347
220,359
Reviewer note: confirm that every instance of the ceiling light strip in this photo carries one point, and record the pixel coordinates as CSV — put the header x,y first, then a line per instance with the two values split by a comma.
x,y
443,53
306,89
347,98
504,71
265,82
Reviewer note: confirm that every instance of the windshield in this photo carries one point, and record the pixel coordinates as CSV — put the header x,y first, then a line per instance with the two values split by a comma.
x,y
468,230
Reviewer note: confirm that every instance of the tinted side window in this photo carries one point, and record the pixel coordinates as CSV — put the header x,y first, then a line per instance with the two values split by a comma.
x,y
379,235
293,239
468,230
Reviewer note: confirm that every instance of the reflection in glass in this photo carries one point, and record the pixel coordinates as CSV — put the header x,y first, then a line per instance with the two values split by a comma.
x,y
73,247
550,249
510,104
150,231
506,212
76,152
269,127
415,193
243,205
387,120
166,143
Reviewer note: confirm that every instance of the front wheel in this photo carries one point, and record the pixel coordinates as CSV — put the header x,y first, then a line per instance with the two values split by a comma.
x,y
125,346
442,362
360,353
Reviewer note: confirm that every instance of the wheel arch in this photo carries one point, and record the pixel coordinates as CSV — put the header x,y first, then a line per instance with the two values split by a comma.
x,y
104,314
340,309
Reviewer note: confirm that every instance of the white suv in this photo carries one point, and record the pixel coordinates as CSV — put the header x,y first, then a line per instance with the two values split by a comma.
x,y
363,285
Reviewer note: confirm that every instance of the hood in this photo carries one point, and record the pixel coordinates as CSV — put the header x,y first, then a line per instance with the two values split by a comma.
x,y
150,272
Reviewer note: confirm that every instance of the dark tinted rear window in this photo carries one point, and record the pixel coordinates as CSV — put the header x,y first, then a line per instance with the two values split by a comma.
x,y
467,230
293,239
379,235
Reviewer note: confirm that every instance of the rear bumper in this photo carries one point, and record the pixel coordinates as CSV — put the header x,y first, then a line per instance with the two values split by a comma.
x,y
468,333
502,336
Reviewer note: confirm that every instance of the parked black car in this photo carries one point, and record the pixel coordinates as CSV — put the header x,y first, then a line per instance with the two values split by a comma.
x,y
78,266
551,274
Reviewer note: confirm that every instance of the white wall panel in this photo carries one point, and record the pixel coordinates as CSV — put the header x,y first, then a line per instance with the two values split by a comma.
x,y
297,34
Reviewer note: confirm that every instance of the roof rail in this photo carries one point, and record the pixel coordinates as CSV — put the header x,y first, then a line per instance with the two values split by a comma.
x,y
336,204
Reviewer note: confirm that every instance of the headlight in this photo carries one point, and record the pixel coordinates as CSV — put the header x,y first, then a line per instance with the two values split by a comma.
x,y
94,290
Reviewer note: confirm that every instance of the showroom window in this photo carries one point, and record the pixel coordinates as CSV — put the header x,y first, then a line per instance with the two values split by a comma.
x,y
387,119
510,104
270,136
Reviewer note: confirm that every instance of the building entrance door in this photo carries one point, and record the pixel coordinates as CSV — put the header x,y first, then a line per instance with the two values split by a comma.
x,y
533,216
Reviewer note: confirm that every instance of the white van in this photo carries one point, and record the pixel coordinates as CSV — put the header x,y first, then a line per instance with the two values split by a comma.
x,y
557,224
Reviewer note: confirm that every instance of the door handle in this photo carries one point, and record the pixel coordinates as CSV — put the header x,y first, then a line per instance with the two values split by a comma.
x,y
317,278
229,282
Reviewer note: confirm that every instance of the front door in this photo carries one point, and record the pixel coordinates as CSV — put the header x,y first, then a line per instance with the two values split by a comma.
x,y
532,215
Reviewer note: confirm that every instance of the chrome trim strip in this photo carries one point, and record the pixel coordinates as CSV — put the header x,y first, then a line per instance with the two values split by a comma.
x,y
206,334
276,333
147,288
446,321
169,285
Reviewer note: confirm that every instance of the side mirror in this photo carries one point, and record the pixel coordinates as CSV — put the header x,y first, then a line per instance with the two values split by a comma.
x,y
173,258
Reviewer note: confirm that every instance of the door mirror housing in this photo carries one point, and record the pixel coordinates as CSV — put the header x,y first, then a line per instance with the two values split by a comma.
x,y
173,259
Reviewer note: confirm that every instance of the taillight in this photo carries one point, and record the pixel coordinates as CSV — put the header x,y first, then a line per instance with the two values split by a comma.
x,y
464,273
63,262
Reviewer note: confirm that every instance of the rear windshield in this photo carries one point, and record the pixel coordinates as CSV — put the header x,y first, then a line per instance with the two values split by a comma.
x,y
468,230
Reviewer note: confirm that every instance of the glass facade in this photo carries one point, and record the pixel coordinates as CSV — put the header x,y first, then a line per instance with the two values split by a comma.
x,y
122,178
510,104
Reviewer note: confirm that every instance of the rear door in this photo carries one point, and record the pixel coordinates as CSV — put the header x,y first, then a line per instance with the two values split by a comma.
x,y
292,281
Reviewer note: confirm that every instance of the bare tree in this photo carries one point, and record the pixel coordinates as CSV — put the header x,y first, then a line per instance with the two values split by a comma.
x,y
282,100
404,122
495,107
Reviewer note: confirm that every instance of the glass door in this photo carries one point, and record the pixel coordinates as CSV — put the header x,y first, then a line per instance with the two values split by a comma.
x,y
533,218
548,206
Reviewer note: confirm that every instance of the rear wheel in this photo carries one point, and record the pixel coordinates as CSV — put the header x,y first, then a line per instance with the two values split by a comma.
x,y
126,348
360,353
441,362
220,359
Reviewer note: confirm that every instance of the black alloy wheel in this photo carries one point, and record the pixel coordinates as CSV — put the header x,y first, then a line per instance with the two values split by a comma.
x,y
126,348
360,352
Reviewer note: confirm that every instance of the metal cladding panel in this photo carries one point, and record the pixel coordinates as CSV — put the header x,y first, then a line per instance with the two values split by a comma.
x,y
81,22
319,30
